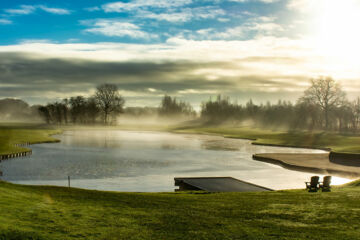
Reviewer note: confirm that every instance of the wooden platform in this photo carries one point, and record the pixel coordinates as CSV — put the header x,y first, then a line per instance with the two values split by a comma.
x,y
217,184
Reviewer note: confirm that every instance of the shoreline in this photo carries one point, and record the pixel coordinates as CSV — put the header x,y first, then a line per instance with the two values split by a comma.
x,y
315,163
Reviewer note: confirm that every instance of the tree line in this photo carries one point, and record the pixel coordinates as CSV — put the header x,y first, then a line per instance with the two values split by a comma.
x,y
105,106
323,106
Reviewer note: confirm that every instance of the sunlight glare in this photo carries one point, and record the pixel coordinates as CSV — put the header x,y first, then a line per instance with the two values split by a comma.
x,y
337,29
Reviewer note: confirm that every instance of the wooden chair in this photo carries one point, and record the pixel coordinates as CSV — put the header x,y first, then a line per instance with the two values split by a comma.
x,y
325,185
313,185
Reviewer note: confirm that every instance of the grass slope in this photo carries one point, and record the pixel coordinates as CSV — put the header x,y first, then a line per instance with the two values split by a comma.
x,y
335,141
29,212
11,134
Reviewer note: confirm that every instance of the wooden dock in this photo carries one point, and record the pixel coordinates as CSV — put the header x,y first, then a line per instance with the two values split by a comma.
x,y
217,184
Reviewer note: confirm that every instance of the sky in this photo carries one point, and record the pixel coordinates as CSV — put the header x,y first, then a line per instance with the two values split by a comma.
x,y
191,49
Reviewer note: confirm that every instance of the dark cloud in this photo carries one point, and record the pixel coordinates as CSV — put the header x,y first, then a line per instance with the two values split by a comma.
x,y
31,77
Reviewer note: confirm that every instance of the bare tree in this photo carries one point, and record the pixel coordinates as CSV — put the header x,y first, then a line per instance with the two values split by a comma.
x,y
109,100
325,93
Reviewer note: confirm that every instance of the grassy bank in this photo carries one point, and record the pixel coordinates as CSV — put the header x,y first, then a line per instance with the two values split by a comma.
x,y
335,141
30,212
12,134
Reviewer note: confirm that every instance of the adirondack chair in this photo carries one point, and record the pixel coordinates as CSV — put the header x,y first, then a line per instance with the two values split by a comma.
x,y
325,185
313,185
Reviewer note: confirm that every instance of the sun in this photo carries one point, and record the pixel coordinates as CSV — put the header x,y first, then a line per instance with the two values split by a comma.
x,y
336,29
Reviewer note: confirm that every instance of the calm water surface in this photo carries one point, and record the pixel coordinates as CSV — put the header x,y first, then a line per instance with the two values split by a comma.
x,y
148,161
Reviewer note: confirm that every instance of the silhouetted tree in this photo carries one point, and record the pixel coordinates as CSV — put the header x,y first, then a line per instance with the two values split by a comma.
x,y
44,113
91,110
109,100
325,93
78,105
171,107
219,110
66,103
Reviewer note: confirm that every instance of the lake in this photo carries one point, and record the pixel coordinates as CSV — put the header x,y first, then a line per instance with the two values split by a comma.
x,y
148,161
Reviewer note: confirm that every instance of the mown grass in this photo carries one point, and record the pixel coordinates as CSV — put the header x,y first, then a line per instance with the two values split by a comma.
x,y
11,134
34,212
322,140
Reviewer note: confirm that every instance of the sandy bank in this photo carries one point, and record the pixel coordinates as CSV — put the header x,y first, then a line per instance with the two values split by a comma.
x,y
316,163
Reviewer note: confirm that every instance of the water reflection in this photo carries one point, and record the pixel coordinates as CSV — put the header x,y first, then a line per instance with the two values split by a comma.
x,y
147,161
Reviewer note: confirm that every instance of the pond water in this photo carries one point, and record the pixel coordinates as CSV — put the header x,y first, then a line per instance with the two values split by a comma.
x,y
148,161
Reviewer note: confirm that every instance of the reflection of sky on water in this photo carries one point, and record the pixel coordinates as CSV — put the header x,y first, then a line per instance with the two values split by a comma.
x,y
147,161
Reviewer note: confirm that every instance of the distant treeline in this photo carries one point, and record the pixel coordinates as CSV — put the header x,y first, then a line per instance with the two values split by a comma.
x,y
18,110
105,106
323,106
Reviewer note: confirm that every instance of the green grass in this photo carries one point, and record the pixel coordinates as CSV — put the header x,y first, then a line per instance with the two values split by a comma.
x,y
335,141
11,134
30,212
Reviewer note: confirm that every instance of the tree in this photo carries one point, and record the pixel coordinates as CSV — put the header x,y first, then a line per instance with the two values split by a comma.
x,y
109,100
44,113
77,109
91,110
325,93
220,109
171,107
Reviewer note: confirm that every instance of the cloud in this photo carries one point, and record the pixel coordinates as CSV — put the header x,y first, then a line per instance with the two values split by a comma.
x,y
22,10
36,41
25,75
29,9
184,15
263,1
5,21
264,68
261,25
116,28
92,9
143,4
58,11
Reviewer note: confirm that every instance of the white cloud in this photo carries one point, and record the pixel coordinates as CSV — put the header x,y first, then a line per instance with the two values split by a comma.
x,y
302,5
223,19
262,26
92,9
59,11
29,9
143,4
235,32
264,1
116,28
5,22
184,15
23,10
36,41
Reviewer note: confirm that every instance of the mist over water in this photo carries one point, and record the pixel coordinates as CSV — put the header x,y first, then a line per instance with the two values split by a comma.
x,y
148,161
